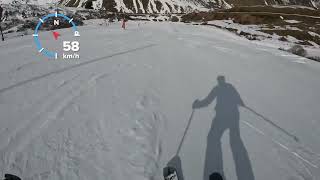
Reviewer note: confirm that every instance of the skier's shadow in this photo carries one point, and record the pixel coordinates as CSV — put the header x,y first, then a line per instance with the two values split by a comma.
x,y
228,101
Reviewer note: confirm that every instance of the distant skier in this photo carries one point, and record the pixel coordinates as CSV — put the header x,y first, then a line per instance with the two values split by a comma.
x,y
106,22
123,23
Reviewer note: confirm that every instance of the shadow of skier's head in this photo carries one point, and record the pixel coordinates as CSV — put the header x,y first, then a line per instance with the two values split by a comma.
x,y
221,80
227,97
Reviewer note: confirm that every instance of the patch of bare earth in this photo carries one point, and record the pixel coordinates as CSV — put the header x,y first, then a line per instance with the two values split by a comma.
x,y
301,23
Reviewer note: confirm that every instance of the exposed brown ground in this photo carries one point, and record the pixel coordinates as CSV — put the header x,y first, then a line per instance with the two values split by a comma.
x,y
309,20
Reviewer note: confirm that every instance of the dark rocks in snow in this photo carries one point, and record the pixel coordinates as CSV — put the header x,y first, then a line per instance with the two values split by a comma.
x,y
298,50
174,19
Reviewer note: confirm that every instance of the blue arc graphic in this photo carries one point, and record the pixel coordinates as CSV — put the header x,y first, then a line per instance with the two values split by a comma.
x,y
46,52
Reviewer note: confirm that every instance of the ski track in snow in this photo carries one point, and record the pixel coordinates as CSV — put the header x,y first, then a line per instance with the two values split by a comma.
x,y
53,110
120,111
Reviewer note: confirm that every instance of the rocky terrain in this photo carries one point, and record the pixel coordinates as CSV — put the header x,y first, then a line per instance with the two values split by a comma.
x,y
166,6
179,6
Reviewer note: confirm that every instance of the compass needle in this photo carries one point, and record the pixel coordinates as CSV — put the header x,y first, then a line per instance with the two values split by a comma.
x,y
56,35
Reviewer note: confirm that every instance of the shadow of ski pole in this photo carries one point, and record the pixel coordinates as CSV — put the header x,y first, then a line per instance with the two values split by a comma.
x,y
185,132
273,124
175,161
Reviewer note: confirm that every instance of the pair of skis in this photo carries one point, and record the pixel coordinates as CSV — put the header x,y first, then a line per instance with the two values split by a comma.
x,y
171,173
173,170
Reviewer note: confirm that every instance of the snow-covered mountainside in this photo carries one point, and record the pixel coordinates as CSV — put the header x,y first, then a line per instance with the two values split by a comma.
x,y
166,6
141,6
309,3
34,2
316,3
178,6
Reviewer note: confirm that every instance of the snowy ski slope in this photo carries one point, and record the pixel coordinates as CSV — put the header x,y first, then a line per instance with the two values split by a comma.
x,y
120,111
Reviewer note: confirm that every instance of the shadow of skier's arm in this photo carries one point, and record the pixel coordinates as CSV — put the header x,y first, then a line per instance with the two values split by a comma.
x,y
206,101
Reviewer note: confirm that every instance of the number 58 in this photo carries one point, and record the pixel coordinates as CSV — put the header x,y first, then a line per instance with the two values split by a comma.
x,y
71,45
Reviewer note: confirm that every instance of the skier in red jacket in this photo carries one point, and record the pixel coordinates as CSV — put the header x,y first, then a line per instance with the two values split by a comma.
x,y
123,23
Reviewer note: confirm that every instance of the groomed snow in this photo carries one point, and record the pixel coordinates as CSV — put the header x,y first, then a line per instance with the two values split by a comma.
x,y
120,111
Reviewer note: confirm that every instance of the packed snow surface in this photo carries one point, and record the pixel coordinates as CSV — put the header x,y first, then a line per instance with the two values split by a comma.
x,y
120,111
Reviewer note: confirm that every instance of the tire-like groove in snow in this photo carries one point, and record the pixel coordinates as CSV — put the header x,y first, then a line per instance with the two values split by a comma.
x,y
72,67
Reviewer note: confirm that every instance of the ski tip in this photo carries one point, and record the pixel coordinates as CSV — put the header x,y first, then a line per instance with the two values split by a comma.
x,y
170,173
11,177
216,176
168,170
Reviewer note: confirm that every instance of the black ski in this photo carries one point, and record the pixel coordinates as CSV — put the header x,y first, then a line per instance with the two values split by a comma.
x,y
11,177
170,173
215,176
